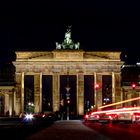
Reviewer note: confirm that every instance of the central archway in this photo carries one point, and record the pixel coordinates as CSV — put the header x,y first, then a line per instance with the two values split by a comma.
x,y
72,102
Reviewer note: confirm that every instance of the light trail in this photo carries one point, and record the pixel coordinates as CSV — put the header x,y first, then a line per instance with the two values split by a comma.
x,y
125,101
122,112
134,109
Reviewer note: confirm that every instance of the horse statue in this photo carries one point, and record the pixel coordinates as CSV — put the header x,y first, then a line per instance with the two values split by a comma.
x,y
77,46
58,46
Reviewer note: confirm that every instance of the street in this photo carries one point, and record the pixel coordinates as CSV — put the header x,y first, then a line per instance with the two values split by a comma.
x,y
118,131
66,130
77,129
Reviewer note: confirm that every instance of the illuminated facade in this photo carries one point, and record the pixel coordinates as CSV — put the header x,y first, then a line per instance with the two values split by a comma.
x,y
67,57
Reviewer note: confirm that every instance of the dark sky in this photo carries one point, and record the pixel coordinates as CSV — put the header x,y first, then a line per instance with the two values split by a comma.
x,y
97,25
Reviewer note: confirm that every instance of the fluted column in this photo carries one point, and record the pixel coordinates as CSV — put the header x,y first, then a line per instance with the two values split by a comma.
x,y
138,100
99,90
6,107
95,93
14,103
40,96
80,94
22,92
10,104
18,94
129,96
118,88
113,87
37,92
56,92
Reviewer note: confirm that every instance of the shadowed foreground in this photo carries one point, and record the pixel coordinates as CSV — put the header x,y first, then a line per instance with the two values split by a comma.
x,y
67,130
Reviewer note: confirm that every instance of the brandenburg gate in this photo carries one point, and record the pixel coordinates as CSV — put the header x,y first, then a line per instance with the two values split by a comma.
x,y
66,56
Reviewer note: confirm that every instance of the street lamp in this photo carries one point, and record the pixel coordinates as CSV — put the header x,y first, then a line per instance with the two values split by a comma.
x,y
30,107
67,95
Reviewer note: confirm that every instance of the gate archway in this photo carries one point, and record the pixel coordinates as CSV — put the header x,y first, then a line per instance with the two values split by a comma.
x,y
1,104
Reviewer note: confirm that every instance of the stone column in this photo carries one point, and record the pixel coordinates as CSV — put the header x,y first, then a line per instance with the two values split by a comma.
x,y
117,79
18,94
122,96
113,87
37,92
133,95
10,104
56,92
129,96
22,92
14,103
138,100
95,93
99,90
80,94
40,106
6,105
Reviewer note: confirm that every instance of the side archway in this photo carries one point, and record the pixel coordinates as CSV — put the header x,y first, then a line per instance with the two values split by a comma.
x,y
2,98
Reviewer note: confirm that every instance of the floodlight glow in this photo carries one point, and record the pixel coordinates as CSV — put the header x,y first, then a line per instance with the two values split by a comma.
x,y
29,116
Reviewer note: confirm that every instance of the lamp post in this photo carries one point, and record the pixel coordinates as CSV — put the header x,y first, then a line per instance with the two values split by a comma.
x,y
67,96
30,108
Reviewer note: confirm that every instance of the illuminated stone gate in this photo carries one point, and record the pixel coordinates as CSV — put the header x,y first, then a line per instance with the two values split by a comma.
x,y
67,56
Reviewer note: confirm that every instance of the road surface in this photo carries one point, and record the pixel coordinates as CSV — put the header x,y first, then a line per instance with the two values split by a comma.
x,y
68,130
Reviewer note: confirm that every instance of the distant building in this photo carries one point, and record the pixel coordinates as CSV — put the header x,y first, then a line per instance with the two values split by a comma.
x,y
130,84
7,89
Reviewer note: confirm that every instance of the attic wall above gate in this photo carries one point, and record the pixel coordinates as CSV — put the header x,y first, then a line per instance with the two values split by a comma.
x,y
58,61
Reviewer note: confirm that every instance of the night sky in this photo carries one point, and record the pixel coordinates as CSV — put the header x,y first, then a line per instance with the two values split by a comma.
x,y
98,25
